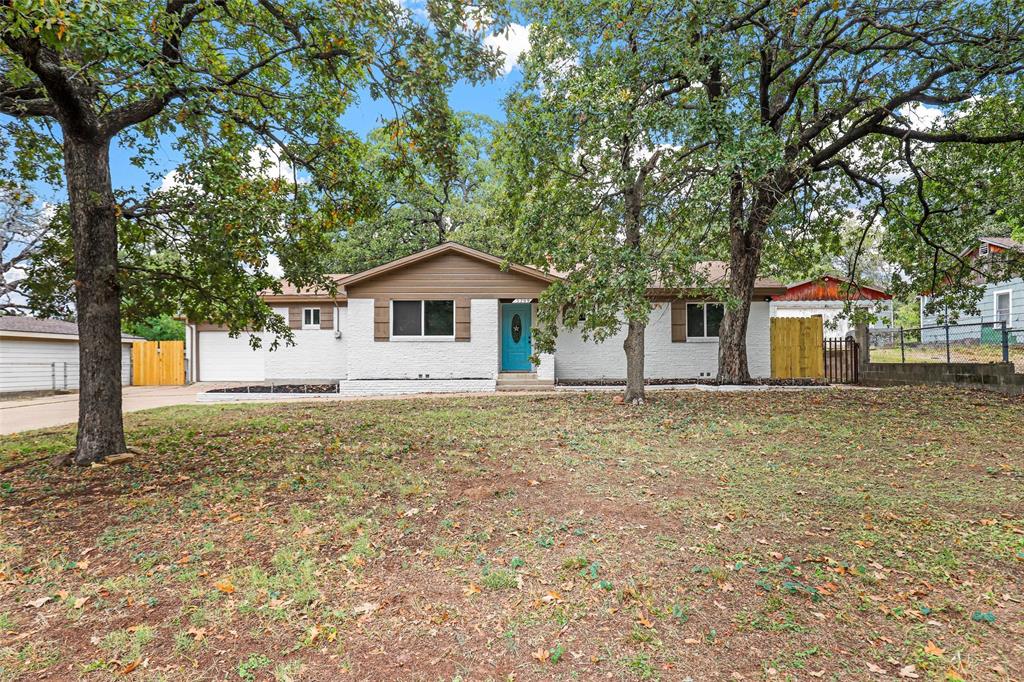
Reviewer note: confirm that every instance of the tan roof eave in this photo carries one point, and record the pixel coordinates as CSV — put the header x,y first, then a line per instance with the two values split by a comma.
x,y
303,298
702,293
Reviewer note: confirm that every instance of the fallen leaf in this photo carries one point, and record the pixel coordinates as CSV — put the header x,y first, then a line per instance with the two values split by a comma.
x,y
197,633
877,669
909,672
128,667
932,649
471,589
225,586
80,602
541,655
552,596
36,603
366,608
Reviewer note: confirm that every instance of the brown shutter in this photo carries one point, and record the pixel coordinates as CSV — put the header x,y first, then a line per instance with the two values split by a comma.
x,y
327,317
381,319
678,321
462,319
295,316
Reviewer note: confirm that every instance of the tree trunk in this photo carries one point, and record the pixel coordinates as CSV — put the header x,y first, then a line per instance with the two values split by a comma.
x,y
634,347
745,258
97,298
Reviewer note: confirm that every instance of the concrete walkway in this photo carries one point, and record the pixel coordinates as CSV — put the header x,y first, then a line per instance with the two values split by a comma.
x,y
57,410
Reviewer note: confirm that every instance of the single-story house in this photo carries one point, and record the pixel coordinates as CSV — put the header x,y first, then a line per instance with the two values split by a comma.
x,y
452,318
1001,301
826,297
42,355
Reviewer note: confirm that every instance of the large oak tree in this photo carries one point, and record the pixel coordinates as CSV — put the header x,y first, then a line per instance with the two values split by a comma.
x,y
805,100
214,80
797,114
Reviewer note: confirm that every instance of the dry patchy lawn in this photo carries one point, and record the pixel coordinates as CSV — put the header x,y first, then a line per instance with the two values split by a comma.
x,y
773,535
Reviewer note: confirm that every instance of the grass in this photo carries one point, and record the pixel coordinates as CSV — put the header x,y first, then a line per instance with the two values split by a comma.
x,y
958,352
774,535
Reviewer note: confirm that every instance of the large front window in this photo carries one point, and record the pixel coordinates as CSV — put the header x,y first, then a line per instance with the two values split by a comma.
x,y
423,318
703,320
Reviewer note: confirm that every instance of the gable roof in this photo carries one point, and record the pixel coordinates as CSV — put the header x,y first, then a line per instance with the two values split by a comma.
x,y
1000,242
292,294
830,277
447,247
18,325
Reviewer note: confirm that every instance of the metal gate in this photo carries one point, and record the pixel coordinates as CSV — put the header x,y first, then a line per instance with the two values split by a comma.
x,y
841,361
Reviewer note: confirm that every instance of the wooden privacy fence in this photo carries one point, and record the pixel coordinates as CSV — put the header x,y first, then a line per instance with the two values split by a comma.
x,y
797,348
158,363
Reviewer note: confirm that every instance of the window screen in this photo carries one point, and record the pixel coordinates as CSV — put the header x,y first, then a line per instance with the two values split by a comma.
x,y
408,318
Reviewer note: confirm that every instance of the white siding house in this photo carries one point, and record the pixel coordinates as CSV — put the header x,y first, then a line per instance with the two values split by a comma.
x,y
42,355
456,319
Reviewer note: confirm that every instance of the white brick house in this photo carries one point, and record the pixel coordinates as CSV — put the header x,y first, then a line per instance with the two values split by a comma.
x,y
452,319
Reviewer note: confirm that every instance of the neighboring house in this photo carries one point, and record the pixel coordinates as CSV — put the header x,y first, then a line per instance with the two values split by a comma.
x,y
1001,301
42,355
826,297
452,318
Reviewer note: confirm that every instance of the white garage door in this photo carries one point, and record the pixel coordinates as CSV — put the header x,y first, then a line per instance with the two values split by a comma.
x,y
222,358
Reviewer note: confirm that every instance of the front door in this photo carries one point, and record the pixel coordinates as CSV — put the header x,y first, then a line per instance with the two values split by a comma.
x,y
515,337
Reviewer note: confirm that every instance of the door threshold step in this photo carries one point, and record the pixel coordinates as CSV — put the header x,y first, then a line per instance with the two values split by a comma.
x,y
538,386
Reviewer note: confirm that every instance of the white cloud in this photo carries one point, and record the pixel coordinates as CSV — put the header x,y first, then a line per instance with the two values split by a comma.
x,y
922,117
268,160
274,266
511,42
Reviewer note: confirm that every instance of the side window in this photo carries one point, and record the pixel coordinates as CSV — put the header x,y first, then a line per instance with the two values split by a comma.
x,y
310,318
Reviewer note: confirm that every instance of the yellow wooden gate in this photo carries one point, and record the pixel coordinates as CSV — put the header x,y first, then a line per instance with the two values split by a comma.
x,y
797,351
158,363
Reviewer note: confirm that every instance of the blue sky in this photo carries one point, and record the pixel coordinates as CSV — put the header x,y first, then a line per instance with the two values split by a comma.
x,y
481,99
484,99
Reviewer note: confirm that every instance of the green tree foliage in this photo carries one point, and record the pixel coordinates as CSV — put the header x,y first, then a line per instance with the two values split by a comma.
x,y
214,80
162,328
948,198
597,187
793,114
425,200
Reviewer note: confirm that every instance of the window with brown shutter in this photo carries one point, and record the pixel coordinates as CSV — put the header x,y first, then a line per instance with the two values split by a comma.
x,y
327,317
381,319
462,319
678,321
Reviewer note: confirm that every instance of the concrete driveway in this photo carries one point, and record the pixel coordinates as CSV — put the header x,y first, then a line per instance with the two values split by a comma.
x,y
57,410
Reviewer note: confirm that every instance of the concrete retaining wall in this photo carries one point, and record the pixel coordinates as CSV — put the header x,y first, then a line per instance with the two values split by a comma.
x,y
995,377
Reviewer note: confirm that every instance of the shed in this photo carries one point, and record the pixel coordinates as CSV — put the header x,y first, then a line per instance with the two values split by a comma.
x,y
826,297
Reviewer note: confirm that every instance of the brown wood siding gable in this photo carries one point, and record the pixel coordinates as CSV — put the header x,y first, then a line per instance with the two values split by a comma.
x,y
381,319
445,277
678,321
462,325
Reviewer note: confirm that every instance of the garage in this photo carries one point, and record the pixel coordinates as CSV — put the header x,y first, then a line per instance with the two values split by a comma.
x,y
222,358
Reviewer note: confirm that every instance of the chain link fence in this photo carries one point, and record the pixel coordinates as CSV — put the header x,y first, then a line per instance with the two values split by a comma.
x,y
981,342
38,376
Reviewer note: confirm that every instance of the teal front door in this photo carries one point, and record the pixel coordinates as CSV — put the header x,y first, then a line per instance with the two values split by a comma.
x,y
515,337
